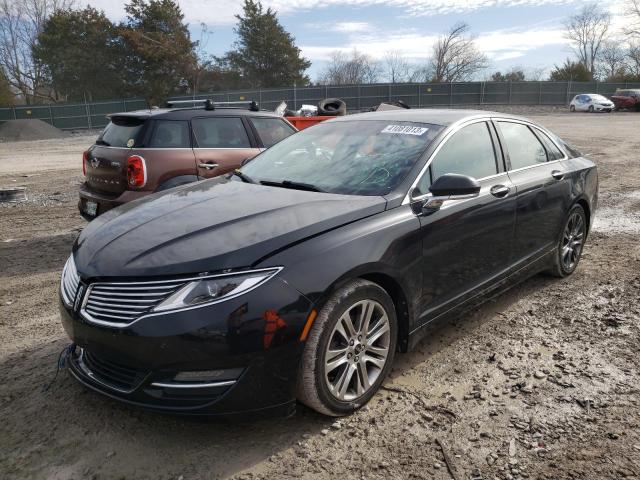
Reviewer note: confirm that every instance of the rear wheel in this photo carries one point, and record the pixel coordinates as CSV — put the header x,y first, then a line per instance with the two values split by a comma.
x,y
572,108
350,349
569,249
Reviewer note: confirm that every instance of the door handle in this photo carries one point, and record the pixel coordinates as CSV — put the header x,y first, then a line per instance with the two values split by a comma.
x,y
557,174
208,166
500,191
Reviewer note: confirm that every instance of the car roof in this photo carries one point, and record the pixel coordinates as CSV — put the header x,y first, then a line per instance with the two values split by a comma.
x,y
434,116
188,113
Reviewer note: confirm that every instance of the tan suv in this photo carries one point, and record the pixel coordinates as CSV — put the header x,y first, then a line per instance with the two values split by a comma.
x,y
147,151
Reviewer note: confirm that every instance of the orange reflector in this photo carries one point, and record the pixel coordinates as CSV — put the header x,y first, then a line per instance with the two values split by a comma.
x,y
307,326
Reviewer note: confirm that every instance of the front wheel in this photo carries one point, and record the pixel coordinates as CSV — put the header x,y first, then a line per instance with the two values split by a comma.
x,y
591,109
569,249
349,350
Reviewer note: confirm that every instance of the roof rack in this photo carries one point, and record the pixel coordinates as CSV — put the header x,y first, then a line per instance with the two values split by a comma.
x,y
210,105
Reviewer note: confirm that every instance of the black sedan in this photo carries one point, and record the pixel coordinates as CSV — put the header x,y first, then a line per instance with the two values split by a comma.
x,y
299,276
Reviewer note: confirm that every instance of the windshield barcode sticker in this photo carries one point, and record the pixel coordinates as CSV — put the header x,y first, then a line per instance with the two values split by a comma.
x,y
404,130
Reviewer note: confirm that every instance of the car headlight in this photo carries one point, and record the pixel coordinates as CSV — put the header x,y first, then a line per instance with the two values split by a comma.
x,y
215,289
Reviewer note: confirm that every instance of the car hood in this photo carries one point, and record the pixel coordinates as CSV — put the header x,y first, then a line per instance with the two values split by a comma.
x,y
210,226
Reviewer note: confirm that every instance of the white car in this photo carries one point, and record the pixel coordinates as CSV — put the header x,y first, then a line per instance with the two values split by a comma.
x,y
591,102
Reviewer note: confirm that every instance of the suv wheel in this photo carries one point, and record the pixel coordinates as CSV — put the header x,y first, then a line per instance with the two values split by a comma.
x,y
350,349
571,242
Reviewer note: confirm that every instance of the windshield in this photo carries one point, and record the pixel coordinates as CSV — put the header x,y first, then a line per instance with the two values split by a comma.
x,y
599,98
359,157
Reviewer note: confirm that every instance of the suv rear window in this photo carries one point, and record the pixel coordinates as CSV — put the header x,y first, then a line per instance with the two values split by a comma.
x,y
272,130
170,134
220,132
121,132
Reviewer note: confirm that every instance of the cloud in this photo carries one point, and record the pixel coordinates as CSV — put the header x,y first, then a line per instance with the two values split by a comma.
x,y
222,12
497,45
351,27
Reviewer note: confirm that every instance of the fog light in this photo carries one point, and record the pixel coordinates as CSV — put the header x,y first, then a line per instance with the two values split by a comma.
x,y
208,375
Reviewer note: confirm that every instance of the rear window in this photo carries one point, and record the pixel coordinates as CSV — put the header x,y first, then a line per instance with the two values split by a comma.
x,y
272,130
220,132
170,134
121,132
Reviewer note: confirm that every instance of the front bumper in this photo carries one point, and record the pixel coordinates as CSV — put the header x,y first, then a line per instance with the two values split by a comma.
x,y
249,346
603,108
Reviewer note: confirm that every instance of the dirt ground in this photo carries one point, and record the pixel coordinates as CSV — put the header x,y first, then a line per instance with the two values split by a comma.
x,y
541,382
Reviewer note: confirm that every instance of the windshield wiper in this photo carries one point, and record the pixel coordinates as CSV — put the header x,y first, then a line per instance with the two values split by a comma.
x,y
294,185
242,176
102,142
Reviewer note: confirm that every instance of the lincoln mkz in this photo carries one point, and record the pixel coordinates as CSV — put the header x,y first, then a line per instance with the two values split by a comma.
x,y
300,275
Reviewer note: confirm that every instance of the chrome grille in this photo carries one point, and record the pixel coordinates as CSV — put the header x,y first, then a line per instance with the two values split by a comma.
x,y
69,282
119,304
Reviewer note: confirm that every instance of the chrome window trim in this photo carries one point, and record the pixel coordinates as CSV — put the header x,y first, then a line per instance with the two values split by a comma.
x,y
223,383
105,323
456,126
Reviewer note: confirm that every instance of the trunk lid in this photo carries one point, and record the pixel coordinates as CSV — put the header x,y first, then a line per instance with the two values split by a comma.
x,y
106,166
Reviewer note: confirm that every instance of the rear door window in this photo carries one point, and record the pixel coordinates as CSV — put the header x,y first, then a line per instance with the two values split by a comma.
x,y
170,134
523,146
553,152
220,132
121,132
271,130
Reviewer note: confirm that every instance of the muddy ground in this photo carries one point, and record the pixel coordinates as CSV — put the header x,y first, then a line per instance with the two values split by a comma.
x,y
541,382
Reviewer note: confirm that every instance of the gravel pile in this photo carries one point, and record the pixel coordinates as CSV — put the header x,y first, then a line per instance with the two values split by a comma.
x,y
30,129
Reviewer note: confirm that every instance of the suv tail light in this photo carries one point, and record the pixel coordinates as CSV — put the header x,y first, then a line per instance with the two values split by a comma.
x,y
136,171
85,159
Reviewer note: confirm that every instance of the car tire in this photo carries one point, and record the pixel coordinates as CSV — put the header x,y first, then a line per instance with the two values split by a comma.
x,y
572,108
335,384
591,109
570,244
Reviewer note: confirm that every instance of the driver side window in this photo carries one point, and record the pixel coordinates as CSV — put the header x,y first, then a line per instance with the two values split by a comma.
x,y
469,151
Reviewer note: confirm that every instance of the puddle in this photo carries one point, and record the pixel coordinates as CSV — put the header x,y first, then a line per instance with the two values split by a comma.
x,y
624,218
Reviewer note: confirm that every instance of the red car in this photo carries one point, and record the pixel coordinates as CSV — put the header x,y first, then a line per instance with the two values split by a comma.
x,y
627,99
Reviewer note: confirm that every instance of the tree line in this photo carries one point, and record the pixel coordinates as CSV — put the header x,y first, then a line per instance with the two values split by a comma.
x,y
52,51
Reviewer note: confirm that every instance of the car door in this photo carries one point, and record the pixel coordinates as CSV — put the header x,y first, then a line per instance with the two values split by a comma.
x,y
221,143
466,244
542,187
270,130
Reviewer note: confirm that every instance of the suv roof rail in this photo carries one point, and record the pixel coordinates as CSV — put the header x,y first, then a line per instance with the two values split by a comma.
x,y
208,104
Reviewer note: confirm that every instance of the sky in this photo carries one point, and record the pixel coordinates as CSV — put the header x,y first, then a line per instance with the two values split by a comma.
x,y
512,33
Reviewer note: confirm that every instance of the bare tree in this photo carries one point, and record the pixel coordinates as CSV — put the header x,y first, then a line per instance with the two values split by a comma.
x,y
587,30
612,60
455,56
20,23
352,68
633,14
396,66
632,63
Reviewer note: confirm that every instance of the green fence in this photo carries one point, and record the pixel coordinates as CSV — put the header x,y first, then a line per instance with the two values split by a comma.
x,y
357,97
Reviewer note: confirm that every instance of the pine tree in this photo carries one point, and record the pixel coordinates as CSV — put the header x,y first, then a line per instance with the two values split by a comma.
x,y
265,54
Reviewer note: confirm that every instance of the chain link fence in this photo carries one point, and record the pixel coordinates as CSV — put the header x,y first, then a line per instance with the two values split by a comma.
x,y
358,98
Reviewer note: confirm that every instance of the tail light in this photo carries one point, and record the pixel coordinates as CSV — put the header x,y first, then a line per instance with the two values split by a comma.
x,y
136,171
85,159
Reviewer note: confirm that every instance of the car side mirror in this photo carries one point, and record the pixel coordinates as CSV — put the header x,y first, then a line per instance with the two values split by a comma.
x,y
450,186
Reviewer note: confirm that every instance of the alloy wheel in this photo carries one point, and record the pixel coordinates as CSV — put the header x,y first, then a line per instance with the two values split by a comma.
x,y
572,241
358,350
